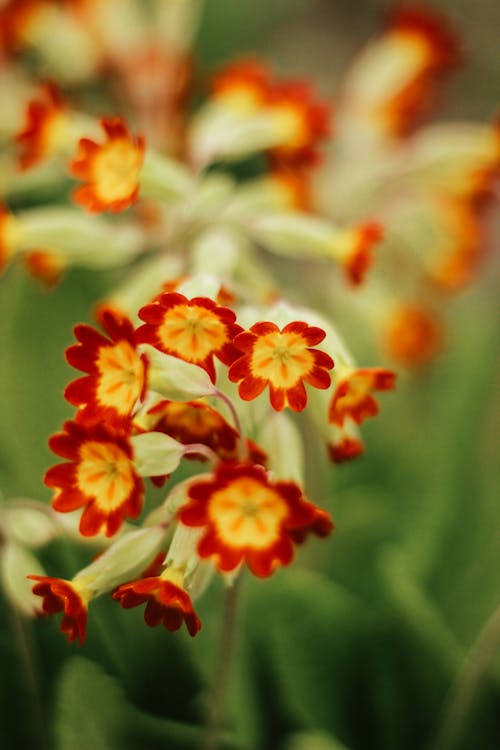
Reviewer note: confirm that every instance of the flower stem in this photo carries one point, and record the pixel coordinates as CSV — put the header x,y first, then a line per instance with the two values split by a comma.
x,y
217,706
237,422
463,692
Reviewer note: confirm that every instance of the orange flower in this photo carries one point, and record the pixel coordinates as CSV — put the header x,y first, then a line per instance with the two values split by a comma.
x,y
45,118
321,525
100,477
67,597
246,518
353,395
300,120
116,376
359,256
413,335
430,48
284,360
195,330
168,603
306,121
45,265
6,240
345,442
196,422
111,169
246,80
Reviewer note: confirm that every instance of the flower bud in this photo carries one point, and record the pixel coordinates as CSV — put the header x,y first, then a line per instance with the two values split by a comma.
x,y
175,379
156,454
16,562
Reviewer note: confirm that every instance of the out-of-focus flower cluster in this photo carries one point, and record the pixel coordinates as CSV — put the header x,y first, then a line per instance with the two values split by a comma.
x,y
200,356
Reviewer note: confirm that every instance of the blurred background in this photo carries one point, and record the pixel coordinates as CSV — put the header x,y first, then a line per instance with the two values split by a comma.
x,y
360,646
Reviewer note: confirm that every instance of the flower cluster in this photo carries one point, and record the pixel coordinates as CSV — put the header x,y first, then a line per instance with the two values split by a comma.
x,y
150,397
197,354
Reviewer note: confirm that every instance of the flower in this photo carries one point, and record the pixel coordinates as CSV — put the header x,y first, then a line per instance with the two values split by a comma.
x,y
7,236
413,335
358,256
195,422
284,360
195,330
344,442
246,518
353,395
46,119
392,84
304,122
100,476
111,169
321,525
47,266
244,82
68,597
168,603
116,376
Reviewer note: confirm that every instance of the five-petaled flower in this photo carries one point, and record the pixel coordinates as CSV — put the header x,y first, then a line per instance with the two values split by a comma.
x,y
168,602
246,517
284,360
100,476
64,596
116,371
195,330
111,169
353,395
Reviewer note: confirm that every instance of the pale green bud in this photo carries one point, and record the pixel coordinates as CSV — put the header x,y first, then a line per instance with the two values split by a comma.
x,y
156,454
280,437
175,379
123,560
17,562
29,523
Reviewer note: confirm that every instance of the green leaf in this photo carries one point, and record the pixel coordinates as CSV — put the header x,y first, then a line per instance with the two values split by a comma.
x,y
93,712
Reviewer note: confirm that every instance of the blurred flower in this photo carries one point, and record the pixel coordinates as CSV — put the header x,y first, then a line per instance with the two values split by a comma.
x,y
69,597
111,169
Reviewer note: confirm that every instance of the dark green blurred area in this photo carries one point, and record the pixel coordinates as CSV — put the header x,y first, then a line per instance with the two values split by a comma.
x,y
358,645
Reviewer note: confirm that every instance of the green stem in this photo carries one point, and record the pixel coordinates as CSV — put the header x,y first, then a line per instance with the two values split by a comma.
x,y
26,656
217,706
462,694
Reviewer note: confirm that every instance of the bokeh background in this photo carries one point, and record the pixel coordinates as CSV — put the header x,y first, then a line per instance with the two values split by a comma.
x,y
359,646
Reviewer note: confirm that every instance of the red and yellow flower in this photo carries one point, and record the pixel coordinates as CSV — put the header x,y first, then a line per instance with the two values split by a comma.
x,y
100,477
7,236
246,517
46,120
283,360
45,265
245,81
353,397
111,169
68,597
321,525
344,443
195,330
413,335
195,422
354,248
116,372
167,601
305,121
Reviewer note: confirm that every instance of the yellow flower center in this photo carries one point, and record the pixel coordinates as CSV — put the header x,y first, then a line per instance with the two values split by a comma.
x,y
121,376
192,333
105,473
247,513
116,170
282,358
